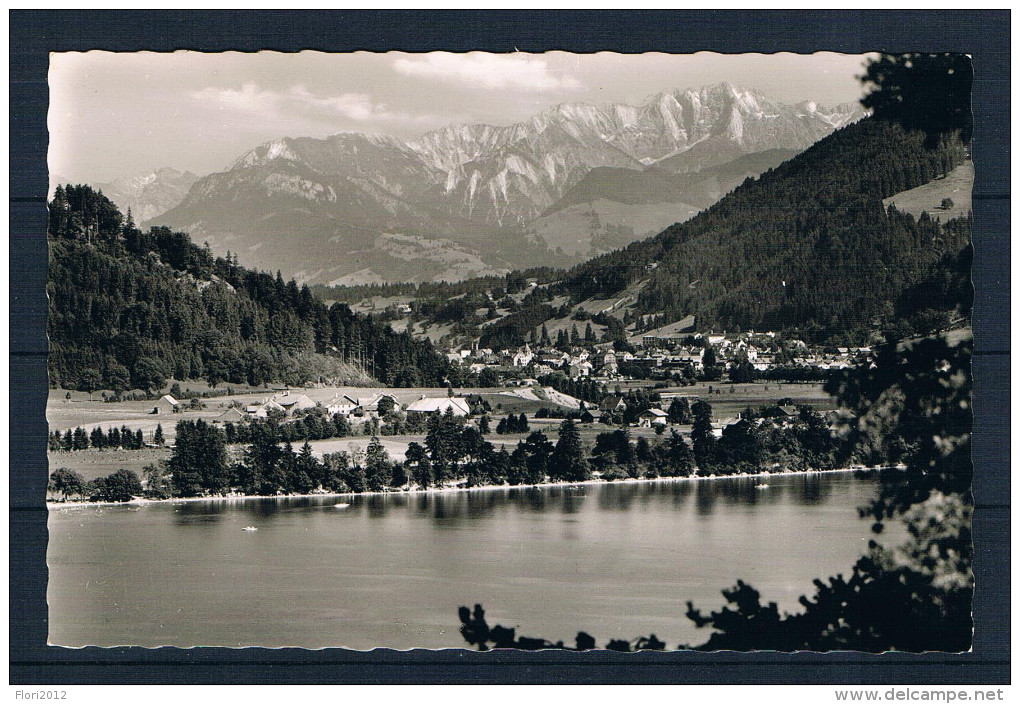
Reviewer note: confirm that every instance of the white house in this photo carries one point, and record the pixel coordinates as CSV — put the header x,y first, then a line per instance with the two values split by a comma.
x,y
522,357
439,405
653,416
167,404
342,404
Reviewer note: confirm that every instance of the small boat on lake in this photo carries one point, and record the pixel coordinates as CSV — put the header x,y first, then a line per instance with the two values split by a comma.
x,y
341,505
249,529
761,486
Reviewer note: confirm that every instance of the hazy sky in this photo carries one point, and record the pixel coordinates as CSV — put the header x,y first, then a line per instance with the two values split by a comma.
x,y
125,114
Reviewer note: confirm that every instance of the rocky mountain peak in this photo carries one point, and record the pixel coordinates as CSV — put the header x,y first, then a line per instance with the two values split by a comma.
x,y
463,180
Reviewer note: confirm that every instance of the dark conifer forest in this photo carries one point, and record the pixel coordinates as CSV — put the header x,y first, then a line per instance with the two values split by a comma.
x,y
132,309
808,248
807,245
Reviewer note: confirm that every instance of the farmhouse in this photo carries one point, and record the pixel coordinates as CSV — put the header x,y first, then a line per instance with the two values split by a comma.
x,y
613,404
439,405
589,415
166,404
297,402
262,410
788,414
341,404
653,416
719,426
231,415
576,370
369,403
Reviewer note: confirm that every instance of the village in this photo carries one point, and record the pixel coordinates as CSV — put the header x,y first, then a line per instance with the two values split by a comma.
x,y
590,365
533,384
670,352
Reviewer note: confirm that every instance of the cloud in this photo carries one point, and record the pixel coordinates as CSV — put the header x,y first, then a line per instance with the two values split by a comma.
x,y
298,101
488,71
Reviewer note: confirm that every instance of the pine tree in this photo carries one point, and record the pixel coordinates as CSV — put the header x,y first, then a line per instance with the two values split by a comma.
x,y
199,460
420,466
307,471
377,466
708,363
568,462
537,450
679,458
80,439
705,449
59,213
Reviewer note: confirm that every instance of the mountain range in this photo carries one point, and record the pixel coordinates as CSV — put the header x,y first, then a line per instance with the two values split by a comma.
x,y
571,182
151,194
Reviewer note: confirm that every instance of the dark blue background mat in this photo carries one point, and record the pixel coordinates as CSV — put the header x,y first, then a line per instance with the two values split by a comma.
x,y
33,34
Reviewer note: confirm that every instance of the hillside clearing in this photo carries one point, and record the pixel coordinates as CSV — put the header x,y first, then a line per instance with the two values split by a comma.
x,y
957,185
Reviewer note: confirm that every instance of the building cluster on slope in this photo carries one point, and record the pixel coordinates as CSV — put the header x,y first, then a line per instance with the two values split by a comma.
x,y
288,405
657,353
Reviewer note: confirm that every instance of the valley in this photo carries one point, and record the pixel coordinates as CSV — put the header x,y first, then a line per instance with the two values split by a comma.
x,y
477,327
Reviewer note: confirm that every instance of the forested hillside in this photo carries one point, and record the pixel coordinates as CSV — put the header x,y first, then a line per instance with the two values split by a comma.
x,y
130,309
807,245
807,248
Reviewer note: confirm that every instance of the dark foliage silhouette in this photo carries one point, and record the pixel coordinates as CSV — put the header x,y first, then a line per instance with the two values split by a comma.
x,y
477,632
928,92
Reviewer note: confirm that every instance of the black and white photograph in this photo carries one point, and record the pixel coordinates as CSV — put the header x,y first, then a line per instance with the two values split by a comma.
x,y
534,351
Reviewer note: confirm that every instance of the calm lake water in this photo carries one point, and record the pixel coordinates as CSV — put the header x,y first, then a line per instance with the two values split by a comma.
x,y
615,560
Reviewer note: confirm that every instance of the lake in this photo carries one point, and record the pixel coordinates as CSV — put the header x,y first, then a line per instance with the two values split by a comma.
x,y
616,560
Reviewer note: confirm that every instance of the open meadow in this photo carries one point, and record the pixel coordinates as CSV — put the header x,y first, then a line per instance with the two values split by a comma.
x,y
727,401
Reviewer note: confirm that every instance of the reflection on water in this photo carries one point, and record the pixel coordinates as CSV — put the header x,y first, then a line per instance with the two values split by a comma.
x,y
616,560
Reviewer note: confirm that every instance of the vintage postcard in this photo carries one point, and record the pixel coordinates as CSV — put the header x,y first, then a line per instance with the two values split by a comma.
x,y
535,351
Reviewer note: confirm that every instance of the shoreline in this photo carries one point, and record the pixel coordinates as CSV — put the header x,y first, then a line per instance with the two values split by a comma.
x,y
55,505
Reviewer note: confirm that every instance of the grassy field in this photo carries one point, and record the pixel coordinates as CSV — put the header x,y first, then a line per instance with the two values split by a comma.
x,y
728,399
63,414
92,464
79,411
957,186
